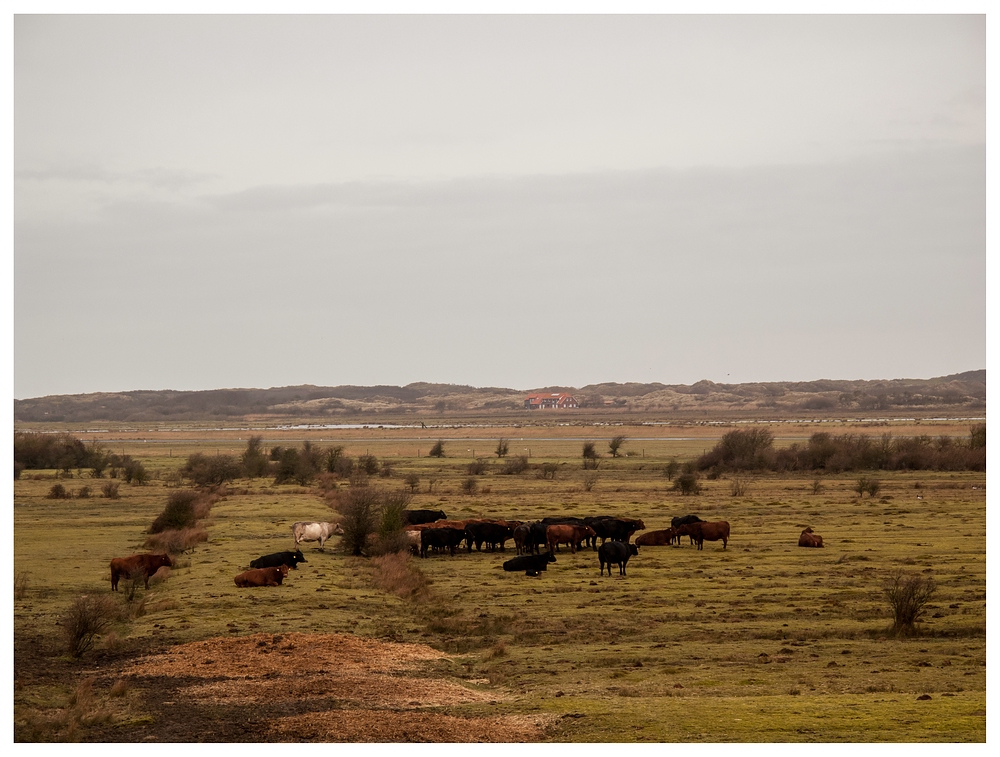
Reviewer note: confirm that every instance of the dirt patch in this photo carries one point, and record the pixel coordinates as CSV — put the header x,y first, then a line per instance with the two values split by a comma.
x,y
332,687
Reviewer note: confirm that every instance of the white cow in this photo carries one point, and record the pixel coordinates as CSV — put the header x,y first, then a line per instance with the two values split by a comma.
x,y
311,531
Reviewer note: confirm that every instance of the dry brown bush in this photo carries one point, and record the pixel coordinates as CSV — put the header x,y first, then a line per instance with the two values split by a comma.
x,y
87,617
176,541
396,573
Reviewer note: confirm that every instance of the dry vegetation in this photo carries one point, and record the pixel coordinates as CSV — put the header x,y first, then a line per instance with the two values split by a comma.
x,y
763,641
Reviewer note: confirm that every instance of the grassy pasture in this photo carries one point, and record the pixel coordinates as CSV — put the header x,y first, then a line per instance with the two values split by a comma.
x,y
763,641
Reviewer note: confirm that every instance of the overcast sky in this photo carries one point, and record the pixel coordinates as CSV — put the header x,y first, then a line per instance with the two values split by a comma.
x,y
518,201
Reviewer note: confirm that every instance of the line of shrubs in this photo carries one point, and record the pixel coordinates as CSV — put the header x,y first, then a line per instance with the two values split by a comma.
x,y
753,449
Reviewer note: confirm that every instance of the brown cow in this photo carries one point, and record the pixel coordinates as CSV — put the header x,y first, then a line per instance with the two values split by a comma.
x,y
660,538
147,563
808,539
261,577
702,532
564,534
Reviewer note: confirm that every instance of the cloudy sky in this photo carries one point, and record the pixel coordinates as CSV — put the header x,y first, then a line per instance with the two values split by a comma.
x,y
518,201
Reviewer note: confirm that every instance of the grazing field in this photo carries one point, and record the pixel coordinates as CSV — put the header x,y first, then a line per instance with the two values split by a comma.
x,y
761,641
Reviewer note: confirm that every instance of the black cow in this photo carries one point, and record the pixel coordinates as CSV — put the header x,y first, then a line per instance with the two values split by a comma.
x,y
491,534
615,529
536,538
532,565
442,538
683,521
416,517
291,559
616,553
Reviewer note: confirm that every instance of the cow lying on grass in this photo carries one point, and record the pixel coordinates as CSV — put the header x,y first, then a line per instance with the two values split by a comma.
x,y
261,577
532,565
808,539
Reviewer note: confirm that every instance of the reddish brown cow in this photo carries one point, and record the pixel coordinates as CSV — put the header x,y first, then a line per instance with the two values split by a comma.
x,y
702,532
261,577
564,534
659,538
147,563
808,539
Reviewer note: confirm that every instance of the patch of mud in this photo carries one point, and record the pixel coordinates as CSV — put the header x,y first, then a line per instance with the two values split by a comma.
x,y
354,689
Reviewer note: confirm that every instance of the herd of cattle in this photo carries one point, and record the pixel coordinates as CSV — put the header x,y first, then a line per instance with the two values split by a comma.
x,y
430,531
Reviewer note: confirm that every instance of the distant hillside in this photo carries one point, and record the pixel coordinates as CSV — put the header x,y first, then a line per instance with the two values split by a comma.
x,y
962,392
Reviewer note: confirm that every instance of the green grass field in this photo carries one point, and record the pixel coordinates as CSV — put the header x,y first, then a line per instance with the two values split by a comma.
x,y
762,641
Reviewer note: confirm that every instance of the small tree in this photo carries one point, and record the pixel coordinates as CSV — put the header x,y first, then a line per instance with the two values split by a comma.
x,y
870,486
253,459
437,450
589,456
58,491
615,445
589,479
413,481
908,596
470,485
361,512
110,490
671,468
738,486
687,483
502,447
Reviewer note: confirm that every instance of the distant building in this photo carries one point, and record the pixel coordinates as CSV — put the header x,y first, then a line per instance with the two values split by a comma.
x,y
550,401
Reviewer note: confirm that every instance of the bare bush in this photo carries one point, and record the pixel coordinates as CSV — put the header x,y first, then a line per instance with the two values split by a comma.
x,y
907,596
176,541
738,486
110,490
413,481
20,584
514,465
476,468
87,617
549,470
589,479
83,492
360,506
470,486
503,447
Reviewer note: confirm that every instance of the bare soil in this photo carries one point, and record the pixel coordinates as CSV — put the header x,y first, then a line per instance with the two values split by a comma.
x,y
306,687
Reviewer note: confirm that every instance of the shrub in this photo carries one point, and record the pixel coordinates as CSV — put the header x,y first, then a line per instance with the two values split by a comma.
x,y
866,485
470,485
437,450
134,472
670,469
687,483
83,492
502,447
110,490
589,455
413,481
549,470
817,486
907,596
977,436
253,459
477,468
87,617
368,464
514,465
178,514
741,449
385,469
176,541
360,508
397,573
738,486
206,470
20,584
589,479
58,491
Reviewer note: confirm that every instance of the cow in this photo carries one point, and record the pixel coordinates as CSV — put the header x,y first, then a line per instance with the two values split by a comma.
x,y
808,539
272,576
532,565
616,553
615,529
703,531
536,537
522,539
413,539
492,534
572,535
442,538
147,563
311,531
416,517
291,559
660,538
683,520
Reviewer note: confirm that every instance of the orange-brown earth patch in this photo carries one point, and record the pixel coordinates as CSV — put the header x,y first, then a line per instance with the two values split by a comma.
x,y
360,690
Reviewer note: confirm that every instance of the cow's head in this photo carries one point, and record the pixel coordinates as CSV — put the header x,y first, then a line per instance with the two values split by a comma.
x,y
283,569
550,557
337,529
633,549
298,557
